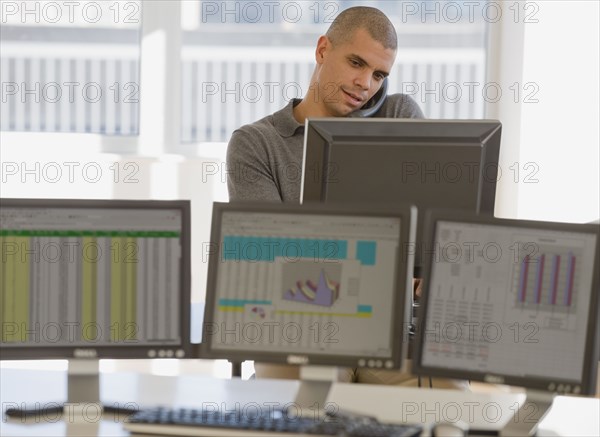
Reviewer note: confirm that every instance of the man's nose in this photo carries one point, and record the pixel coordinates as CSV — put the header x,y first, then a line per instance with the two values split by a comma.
x,y
363,80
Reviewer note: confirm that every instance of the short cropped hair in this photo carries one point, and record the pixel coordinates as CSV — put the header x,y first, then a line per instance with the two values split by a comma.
x,y
375,22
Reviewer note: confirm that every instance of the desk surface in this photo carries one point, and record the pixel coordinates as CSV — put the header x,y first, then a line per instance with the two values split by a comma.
x,y
568,416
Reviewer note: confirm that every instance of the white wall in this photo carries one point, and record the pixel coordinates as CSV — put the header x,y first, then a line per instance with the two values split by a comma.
x,y
560,133
551,132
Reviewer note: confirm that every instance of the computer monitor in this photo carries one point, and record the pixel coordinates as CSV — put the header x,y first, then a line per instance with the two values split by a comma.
x,y
325,285
428,163
89,279
511,302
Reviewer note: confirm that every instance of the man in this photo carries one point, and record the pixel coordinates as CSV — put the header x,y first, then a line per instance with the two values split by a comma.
x,y
354,56
264,158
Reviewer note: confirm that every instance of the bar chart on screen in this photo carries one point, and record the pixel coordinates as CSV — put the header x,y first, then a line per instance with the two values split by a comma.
x,y
544,283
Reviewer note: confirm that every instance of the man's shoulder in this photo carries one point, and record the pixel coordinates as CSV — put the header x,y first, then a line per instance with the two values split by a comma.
x,y
264,126
398,98
271,128
257,137
400,106
269,132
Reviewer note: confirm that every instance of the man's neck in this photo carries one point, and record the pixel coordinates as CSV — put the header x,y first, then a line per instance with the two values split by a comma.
x,y
306,109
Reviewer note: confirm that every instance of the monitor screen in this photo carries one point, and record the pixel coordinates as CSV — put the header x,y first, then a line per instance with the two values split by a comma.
x,y
308,284
94,279
512,302
428,163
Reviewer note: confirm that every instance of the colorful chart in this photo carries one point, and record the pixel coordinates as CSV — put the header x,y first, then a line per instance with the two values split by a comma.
x,y
324,293
548,279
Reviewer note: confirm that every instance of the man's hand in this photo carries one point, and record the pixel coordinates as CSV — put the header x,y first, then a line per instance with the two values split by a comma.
x,y
417,287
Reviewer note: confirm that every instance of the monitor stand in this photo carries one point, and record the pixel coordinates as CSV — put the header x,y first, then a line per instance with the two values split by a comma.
x,y
526,419
315,382
83,395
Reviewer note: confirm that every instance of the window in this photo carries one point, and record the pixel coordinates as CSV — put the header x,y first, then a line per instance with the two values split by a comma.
x,y
70,66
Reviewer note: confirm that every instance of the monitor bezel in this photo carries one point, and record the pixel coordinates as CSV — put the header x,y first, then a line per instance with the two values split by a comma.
x,y
588,377
321,134
127,350
403,280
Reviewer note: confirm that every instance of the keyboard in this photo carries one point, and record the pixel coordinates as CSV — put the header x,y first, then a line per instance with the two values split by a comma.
x,y
195,422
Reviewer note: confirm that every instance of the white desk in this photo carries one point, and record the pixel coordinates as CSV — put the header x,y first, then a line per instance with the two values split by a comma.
x,y
568,416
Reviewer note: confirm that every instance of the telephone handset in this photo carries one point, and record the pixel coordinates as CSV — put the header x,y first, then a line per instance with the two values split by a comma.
x,y
373,105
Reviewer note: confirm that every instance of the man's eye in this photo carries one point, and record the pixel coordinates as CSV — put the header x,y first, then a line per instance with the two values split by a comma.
x,y
379,77
354,62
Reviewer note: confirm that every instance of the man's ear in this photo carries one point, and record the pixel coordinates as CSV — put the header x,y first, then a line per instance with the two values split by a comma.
x,y
323,45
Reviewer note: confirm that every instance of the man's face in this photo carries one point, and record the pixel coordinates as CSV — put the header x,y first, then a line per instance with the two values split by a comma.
x,y
349,74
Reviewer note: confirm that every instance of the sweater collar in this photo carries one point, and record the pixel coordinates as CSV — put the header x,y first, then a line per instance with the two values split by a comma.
x,y
284,121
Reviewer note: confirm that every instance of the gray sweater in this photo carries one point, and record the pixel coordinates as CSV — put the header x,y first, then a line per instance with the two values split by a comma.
x,y
264,159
